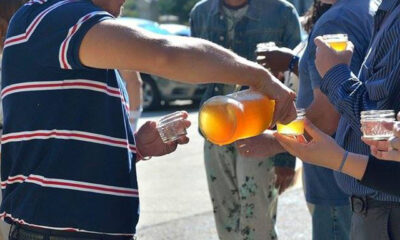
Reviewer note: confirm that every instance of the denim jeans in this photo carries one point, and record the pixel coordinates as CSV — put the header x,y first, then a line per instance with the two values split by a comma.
x,y
330,222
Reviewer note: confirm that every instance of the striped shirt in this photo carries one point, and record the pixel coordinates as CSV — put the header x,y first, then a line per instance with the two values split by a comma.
x,y
68,159
377,87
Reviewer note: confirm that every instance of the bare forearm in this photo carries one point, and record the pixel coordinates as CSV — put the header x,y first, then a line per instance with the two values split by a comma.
x,y
324,121
322,113
183,59
355,165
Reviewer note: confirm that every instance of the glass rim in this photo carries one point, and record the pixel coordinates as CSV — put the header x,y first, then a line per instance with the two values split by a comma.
x,y
376,111
265,45
301,113
376,114
337,36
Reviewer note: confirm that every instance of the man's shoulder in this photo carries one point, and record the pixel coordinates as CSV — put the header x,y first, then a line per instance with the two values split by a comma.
x,y
202,7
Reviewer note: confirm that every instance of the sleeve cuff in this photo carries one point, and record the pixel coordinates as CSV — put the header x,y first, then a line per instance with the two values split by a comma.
x,y
369,173
334,78
284,160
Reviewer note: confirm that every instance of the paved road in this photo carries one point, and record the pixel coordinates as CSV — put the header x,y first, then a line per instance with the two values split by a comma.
x,y
175,201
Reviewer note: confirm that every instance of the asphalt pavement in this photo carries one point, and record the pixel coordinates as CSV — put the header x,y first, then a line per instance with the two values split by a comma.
x,y
174,197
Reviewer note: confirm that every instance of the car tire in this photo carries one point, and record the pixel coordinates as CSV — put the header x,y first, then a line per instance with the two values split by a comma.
x,y
151,94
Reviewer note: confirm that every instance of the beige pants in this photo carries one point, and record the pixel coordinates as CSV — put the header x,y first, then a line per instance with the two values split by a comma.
x,y
243,194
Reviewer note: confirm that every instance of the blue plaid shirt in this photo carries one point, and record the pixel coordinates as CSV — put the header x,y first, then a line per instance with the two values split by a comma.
x,y
377,87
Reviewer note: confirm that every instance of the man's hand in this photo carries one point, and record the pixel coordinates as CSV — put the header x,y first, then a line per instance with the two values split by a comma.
x,y
326,57
275,59
285,109
264,145
284,178
149,142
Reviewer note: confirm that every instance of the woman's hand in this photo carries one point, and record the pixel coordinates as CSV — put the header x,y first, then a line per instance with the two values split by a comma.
x,y
390,149
149,142
322,150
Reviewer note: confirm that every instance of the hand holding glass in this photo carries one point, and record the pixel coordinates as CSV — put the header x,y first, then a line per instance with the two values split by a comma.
x,y
171,127
336,41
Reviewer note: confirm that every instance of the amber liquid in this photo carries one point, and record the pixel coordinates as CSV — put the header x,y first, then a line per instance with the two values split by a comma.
x,y
225,119
338,45
294,128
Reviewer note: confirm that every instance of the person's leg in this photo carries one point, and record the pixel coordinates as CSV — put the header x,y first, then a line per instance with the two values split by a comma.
x,y
221,177
331,222
371,225
394,224
258,198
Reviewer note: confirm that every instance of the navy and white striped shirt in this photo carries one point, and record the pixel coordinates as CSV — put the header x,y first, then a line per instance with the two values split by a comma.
x,y
68,156
378,87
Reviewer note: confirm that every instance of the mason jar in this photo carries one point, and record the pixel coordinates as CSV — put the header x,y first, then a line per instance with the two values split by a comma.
x,y
377,124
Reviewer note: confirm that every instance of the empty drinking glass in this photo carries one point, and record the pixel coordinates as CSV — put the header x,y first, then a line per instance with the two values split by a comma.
x,y
171,127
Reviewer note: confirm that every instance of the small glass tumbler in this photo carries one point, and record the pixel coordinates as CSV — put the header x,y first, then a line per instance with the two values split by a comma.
x,y
294,128
265,46
377,124
336,41
262,47
171,127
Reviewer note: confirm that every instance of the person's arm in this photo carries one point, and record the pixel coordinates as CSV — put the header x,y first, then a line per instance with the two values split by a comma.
x,y
322,113
349,94
323,145
382,176
111,45
372,172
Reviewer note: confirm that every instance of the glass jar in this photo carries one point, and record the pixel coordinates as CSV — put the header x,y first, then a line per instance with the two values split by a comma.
x,y
243,114
377,124
294,128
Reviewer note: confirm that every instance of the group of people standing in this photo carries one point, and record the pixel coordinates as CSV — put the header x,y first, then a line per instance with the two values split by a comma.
x,y
346,197
69,148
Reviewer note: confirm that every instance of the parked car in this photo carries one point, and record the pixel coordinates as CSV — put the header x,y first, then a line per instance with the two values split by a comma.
x,y
157,89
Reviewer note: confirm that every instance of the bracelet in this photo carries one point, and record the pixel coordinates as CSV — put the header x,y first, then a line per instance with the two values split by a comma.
x,y
343,161
293,61
139,156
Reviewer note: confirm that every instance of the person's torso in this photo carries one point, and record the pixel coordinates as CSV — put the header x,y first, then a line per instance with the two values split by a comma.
x,y
265,21
354,18
350,138
267,25
68,156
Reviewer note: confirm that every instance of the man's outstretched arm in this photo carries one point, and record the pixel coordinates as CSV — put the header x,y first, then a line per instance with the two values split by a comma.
x,y
110,45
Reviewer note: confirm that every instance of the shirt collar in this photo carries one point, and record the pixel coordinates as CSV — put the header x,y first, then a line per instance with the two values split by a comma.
x,y
253,12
